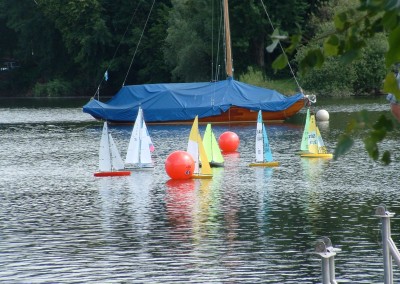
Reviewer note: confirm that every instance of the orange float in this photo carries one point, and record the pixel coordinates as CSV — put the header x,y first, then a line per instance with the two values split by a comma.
x,y
228,141
179,165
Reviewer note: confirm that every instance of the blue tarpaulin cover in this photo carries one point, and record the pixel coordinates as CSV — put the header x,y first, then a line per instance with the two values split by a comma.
x,y
183,101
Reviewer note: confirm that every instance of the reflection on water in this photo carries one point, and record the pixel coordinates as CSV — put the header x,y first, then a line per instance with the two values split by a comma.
x,y
246,225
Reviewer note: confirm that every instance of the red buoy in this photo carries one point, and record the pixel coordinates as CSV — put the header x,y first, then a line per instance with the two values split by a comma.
x,y
228,141
179,165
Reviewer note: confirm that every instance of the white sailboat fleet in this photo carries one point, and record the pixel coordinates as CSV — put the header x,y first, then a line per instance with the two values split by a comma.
x,y
138,155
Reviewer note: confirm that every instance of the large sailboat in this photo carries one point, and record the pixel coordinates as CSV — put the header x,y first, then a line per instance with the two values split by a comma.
x,y
225,101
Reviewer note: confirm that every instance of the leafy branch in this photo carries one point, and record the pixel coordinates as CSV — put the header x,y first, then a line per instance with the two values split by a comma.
x,y
352,29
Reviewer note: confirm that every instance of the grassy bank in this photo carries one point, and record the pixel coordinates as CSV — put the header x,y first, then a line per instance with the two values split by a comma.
x,y
285,86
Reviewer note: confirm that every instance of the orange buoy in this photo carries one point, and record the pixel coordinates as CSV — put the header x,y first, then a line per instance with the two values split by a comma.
x,y
228,141
179,165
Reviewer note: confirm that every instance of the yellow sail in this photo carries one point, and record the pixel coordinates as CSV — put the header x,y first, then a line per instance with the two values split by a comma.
x,y
316,147
196,149
312,136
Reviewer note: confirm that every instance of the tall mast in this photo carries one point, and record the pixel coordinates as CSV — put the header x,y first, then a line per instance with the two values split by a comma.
x,y
229,68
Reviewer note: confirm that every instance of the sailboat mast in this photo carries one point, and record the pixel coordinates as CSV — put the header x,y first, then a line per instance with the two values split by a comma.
x,y
229,68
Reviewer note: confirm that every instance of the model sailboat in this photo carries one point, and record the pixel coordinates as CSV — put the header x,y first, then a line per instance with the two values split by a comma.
x,y
211,146
196,149
138,155
263,151
315,145
110,161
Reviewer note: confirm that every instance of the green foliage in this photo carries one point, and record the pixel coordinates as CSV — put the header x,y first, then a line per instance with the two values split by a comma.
x,y
375,133
370,67
79,40
254,76
335,77
53,88
362,31
325,73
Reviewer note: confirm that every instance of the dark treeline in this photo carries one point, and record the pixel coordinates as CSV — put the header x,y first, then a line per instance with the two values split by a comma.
x,y
63,48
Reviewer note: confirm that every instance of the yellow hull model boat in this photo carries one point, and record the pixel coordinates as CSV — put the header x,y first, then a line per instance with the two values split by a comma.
x,y
315,145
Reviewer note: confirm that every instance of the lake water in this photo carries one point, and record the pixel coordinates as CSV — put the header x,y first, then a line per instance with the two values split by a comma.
x,y
60,224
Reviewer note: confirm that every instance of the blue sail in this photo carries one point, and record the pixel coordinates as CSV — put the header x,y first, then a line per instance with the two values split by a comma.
x,y
267,149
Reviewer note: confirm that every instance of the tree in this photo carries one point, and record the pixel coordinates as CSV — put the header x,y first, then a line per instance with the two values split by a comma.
x,y
335,77
353,27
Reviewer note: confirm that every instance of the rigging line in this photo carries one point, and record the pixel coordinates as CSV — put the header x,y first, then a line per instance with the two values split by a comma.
x,y
137,46
280,45
212,40
120,42
217,65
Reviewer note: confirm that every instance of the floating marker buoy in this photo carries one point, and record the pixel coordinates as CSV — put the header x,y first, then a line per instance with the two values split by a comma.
x,y
228,141
322,115
179,165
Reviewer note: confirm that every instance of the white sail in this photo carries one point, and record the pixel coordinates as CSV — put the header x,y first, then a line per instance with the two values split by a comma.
x,y
193,149
116,160
132,155
263,151
104,152
140,145
321,144
259,141
145,155
304,140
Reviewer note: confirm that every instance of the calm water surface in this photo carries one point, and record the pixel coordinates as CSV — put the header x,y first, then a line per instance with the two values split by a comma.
x,y
59,224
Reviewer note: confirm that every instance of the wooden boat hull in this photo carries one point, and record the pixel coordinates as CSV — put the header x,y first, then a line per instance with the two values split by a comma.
x,y
266,164
234,115
112,174
238,114
318,155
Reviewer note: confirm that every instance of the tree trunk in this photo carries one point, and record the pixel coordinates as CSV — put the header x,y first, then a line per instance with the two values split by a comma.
x,y
259,51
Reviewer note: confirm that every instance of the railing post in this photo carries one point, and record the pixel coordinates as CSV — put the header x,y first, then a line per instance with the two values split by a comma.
x,y
385,230
325,249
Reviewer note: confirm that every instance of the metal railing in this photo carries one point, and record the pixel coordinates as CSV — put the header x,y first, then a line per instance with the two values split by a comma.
x,y
390,251
327,253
